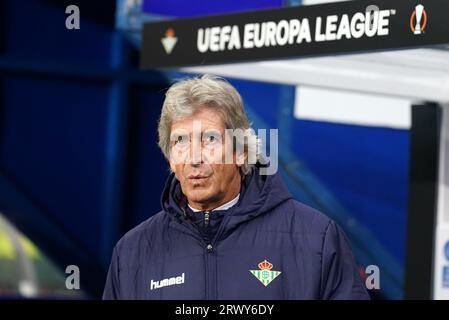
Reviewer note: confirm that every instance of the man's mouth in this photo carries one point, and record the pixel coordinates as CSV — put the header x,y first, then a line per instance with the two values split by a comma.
x,y
197,178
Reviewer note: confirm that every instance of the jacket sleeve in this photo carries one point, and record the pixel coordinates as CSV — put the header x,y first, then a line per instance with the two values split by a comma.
x,y
339,275
112,287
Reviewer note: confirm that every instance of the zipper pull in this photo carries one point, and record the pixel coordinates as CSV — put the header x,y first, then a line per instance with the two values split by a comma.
x,y
206,218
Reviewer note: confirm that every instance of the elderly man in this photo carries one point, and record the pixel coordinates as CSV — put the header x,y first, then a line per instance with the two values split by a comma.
x,y
226,231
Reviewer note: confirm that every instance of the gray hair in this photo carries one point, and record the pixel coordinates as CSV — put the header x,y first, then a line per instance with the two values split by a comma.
x,y
188,96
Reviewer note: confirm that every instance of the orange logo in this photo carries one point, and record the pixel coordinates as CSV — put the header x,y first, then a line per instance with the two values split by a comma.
x,y
169,41
418,20
170,33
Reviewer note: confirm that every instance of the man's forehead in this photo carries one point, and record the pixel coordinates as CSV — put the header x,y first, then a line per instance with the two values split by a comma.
x,y
197,129
207,119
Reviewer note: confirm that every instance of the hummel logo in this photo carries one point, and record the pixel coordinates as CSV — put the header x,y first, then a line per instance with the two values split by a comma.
x,y
167,282
169,41
265,274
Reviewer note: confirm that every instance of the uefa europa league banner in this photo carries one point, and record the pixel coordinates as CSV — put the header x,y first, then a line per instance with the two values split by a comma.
x,y
293,32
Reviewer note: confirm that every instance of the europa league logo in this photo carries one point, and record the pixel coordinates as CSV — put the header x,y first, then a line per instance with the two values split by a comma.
x,y
418,19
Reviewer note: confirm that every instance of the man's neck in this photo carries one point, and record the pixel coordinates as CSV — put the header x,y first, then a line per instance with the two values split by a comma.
x,y
224,206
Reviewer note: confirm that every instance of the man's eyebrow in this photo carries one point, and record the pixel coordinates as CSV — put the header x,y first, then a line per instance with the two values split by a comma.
x,y
212,130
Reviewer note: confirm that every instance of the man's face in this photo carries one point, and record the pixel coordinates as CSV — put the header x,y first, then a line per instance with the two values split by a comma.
x,y
198,147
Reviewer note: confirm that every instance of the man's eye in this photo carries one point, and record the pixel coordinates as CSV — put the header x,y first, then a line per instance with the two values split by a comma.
x,y
180,140
210,138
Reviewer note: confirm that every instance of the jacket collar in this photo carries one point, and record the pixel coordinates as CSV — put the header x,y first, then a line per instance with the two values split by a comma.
x,y
224,206
258,194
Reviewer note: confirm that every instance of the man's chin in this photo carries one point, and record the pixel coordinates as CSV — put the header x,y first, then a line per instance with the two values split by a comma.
x,y
199,197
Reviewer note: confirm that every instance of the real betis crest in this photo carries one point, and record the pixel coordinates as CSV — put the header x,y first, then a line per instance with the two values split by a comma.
x,y
265,274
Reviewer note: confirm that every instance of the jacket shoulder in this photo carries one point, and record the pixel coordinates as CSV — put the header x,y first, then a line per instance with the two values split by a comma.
x,y
306,217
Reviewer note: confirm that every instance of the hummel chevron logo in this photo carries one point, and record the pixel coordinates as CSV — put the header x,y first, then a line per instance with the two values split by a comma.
x,y
265,274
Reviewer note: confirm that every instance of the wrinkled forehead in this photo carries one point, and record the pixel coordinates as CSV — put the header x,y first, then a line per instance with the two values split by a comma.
x,y
204,118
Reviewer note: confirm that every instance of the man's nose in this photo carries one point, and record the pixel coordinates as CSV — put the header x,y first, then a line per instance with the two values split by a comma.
x,y
195,152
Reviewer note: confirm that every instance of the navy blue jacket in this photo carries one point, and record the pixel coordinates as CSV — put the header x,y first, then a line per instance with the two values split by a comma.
x,y
267,246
